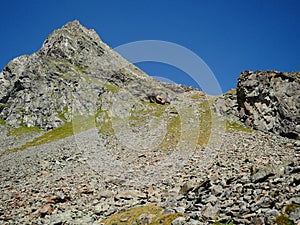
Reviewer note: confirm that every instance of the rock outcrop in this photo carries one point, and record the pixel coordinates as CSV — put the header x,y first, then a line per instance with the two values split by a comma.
x,y
226,105
264,100
270,101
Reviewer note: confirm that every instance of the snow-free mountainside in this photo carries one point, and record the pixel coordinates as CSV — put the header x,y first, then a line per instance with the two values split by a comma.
x,y
89,138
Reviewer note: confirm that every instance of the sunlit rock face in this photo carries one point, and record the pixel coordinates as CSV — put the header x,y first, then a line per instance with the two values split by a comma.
x,y
270,101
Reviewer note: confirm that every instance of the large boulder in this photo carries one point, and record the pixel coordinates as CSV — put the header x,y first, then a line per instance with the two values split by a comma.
x,y
270,101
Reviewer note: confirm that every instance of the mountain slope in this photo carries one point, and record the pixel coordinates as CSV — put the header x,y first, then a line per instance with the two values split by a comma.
x,y
102,142
75,76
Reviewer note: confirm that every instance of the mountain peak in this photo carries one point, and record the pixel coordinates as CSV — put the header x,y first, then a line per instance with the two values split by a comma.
x,y
74,23
73,42
68,75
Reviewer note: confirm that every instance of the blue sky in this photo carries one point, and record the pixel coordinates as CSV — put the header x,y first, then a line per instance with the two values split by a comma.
x,y
230,36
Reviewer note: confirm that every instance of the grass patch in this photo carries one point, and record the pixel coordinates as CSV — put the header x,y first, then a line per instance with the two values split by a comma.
x,y
24,130
2,122
61,116
92,80
5,104
291,207
104,123
205,123
77,125
284,220
173,134
140,117
198,96
137,215
111,87
237,127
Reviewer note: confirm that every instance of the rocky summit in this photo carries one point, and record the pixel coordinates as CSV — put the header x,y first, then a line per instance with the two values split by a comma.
x,y
89,138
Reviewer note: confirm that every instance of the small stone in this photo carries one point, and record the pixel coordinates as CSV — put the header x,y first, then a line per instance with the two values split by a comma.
x,y
195,215
295,200
83,220
194,222
127,195
186,187
44,172
216,189
125,219
61,218
47,209
211,212
179,209
101,208
262,175
169,211
212,199
257,221
52,199
179,221
295,215
145,219
106,194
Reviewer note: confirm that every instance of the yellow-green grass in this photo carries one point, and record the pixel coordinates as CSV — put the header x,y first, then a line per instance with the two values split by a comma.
x,y
2,122
132,216
284,220
105,126
237,127
198,95
77,125
24,130
205,123
291,207
172,135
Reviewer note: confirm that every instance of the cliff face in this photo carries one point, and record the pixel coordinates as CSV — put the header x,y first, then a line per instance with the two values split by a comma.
x,y
270,101
74,73
35,89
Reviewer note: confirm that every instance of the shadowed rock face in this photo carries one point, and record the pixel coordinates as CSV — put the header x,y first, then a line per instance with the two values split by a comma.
x,y
270,101
73,72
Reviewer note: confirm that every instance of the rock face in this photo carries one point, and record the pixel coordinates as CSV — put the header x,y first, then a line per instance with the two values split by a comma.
x,y
270,101
66,77
35,89
226,105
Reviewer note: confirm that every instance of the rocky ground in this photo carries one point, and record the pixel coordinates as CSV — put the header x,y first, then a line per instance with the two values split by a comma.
x,y
254,179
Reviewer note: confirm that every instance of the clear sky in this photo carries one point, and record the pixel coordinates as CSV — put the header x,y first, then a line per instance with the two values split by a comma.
x,y
229,35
